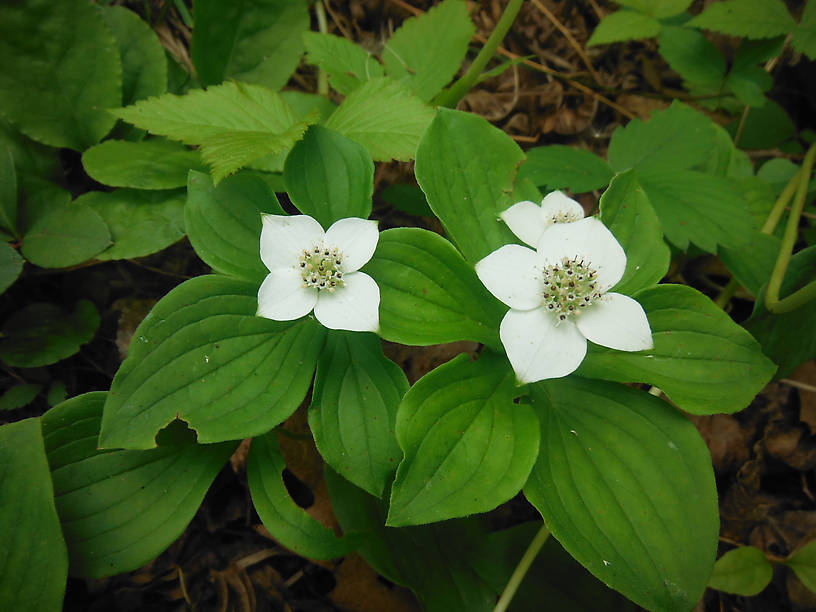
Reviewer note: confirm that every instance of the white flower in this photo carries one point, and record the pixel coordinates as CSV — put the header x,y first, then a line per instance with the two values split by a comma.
x,y
559,298
312,269
528,220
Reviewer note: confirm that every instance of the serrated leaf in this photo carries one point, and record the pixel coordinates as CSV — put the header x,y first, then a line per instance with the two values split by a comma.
x,y
803,563
692,55
468,446
224,222
354,409
8,190
11,265
749,18
625,483
466,191
42,334
202,356
804,37
624,25
383,117
742,571
627,212
257,41
148,164
32,551
703,361
428,293
120,509
288,524
427,50
19,396
56,93
347,64
562,167
329,177
657,8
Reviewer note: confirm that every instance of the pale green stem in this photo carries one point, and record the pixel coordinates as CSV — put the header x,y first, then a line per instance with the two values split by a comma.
x,y
521,569
779,207
451,96
727,293
322,77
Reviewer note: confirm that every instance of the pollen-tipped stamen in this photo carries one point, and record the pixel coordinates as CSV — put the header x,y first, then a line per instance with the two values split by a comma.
x,y
320,268
570,286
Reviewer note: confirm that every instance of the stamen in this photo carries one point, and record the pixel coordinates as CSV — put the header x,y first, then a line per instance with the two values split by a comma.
x,y
570,286
320,268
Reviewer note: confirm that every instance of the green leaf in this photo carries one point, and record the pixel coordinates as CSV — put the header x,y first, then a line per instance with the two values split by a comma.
x,y
57,393
748,18
148,164
468,446
257,41
140,222
383,117
41,334
8,190
804,36
120,509
692,55
764,128
657,8
29,157
11,264
354,409
144,67
288,524
224,222
32,551
407,198
752,267
725,160
329,177
202,356
749,83
427,51
627,212
19,396
347,64
703,361
234,123
562,167
428,293
742,571
625,483
466,191
803,563
624,25
56,93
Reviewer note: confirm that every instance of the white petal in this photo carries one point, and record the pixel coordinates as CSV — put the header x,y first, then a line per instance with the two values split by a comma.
x,y
283,238
616,321
510,273
354,307
587,239
283,297
525,221
538,348
355,238
556,204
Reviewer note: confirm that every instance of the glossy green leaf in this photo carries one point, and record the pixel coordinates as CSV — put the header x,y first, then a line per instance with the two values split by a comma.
x,y
624,25
288,524
749,18
742,571
11,265
347,64
804,37
8,190
562,167
428,293
692,55
140,222
120,509
657,8
56,93
625,483
627,212
224,222
803,563
329,177
202,356
703,361
384,117
41,334
427,51
32,552
466,191
256,41
354,409
148,164
468,446
144,67
19,396
65,236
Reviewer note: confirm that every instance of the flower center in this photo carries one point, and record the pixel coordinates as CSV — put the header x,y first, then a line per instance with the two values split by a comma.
x,y
565,216
320,268
570,286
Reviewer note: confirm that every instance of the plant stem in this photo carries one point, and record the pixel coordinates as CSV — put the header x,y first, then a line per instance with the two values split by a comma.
x,y
451,96
322,77
521,569
779,206
727,293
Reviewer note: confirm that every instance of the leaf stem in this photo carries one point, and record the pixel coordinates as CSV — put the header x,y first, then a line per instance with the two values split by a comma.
x,y
451,96
322,26
521,569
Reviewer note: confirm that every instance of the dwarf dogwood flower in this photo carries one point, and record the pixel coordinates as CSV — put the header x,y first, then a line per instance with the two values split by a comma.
x,y
559,298
312,269
528,220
